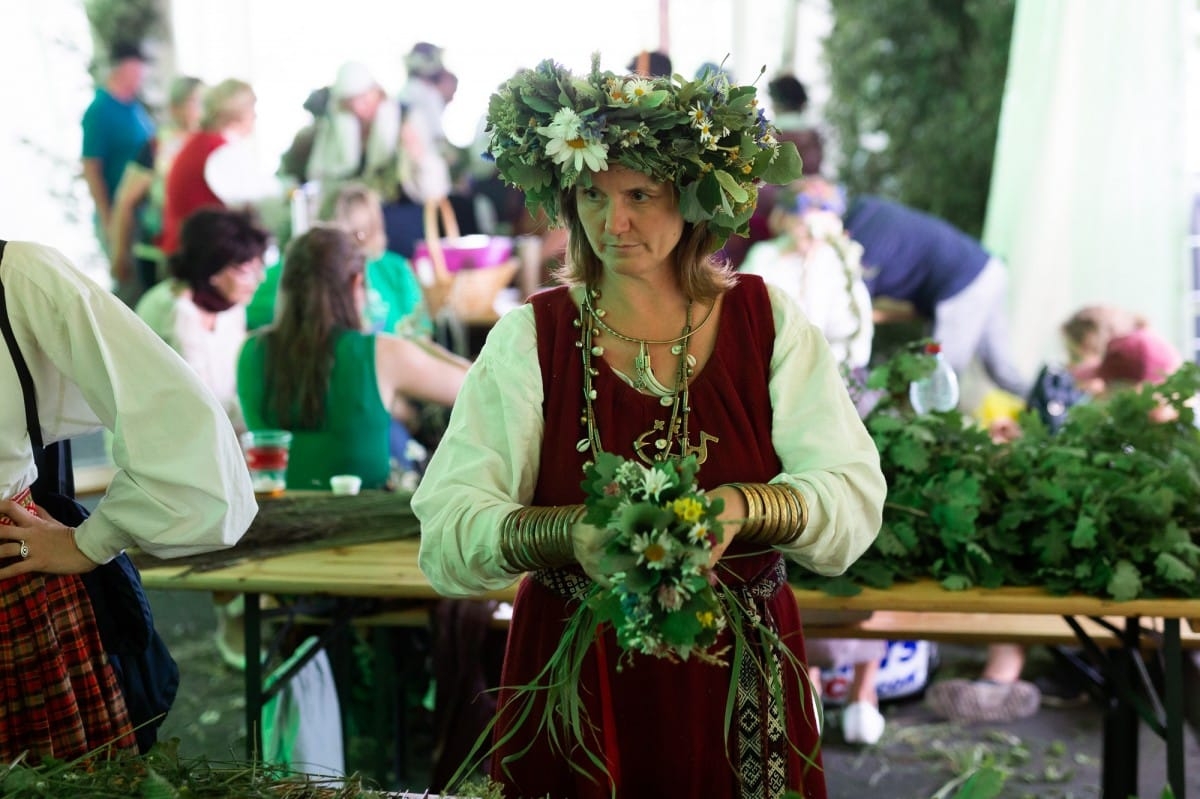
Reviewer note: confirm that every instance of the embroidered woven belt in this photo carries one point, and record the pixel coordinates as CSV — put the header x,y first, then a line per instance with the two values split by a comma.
x,y
24,499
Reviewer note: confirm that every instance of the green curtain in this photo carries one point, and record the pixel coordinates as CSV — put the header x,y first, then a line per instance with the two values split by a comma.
x,y
1089,199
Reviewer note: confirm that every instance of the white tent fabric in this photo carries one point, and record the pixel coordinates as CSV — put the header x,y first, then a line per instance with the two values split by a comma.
x,y
1089,199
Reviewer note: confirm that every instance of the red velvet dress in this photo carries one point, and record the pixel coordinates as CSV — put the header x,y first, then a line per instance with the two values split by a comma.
x,y
660,726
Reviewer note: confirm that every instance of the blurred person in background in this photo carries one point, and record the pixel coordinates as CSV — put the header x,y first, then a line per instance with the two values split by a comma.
x,y
428,160
650,64
1108,347
218,167
946,276
789,99
316,371
201,310
818,266
115,127
357,136
137,214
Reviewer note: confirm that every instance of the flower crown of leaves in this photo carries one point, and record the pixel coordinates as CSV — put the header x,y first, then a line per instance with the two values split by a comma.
x,y
549,129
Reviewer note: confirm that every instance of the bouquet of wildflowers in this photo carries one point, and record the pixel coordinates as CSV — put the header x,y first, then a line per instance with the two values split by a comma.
x,y
661,600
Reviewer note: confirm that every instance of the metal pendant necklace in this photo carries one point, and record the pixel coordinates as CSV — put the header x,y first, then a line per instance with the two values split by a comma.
x,y
665,439
644,378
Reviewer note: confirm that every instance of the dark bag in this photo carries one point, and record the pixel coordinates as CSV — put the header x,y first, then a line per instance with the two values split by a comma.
x,y
145,670
1054,392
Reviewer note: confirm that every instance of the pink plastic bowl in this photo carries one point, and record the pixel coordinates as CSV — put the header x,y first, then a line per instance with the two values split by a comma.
x,y
476,251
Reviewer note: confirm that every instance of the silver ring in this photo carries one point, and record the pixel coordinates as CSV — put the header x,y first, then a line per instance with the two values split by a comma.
x,y
24,551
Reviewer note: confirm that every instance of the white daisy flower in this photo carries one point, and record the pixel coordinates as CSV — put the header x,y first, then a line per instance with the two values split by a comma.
x,y
568,144
655,481
656,550
636,89
699,533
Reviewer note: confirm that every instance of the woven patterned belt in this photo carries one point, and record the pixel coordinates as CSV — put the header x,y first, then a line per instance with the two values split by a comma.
x,y
25,500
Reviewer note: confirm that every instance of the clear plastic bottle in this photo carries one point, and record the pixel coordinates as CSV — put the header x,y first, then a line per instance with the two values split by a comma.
x,y
939,390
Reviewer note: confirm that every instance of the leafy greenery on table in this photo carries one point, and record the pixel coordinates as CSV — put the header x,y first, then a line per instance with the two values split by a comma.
x,y
1109,506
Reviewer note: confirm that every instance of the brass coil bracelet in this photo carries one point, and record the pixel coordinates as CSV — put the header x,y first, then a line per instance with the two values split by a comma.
x,y
536,537
776,513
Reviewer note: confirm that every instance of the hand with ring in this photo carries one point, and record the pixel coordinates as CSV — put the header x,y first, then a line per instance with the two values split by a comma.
x,y
35,542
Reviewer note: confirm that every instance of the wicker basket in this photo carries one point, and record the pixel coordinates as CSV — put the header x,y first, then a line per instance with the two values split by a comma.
x,y
461,275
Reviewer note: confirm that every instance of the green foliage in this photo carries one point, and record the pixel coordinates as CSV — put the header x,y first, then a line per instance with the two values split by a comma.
x,y
124,20
163,773
1108,506
925,78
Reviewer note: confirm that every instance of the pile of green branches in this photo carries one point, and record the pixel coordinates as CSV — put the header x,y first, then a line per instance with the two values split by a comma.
x,y
1107,506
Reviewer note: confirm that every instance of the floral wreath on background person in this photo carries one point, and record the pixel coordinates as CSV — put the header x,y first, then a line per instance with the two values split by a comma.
x,y
549,129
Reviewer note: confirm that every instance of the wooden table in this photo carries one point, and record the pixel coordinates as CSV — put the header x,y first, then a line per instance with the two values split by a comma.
x,y
389,570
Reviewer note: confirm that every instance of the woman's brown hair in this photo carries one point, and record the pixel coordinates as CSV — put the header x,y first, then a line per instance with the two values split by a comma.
x,y
316,303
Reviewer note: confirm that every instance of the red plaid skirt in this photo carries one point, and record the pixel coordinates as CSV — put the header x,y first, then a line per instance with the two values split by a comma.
x,y
58,694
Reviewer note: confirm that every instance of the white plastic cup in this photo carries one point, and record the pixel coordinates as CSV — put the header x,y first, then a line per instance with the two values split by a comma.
x,y
345,484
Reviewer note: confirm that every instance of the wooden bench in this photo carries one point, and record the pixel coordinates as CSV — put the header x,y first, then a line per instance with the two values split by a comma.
x,y
986,628
959,628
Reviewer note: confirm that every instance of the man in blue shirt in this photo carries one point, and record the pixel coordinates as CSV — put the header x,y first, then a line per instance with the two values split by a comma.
x,y
115,127
947,276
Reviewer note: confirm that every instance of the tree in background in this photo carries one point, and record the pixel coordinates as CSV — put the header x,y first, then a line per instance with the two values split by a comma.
x,y
124,20
916,89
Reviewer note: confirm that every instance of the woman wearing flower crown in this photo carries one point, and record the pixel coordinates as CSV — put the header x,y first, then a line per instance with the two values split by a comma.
x,y
653,351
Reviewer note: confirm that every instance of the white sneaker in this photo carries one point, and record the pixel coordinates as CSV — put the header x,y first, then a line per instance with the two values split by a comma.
x,y
862,723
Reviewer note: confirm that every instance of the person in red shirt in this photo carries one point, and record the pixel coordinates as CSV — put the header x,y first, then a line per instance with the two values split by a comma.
x,y
217,166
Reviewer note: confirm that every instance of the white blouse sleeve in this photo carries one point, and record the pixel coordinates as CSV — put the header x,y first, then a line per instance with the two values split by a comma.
x,y
486,465
181,485
826,450
234,174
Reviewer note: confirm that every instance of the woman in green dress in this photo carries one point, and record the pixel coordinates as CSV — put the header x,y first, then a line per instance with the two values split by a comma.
x,y
317,373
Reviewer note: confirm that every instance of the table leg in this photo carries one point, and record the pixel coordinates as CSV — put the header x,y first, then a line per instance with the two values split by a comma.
x,y
1120,766
1173,689
254,678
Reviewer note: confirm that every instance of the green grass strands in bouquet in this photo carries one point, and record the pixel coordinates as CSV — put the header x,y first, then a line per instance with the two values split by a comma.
x,y
562,717
774,663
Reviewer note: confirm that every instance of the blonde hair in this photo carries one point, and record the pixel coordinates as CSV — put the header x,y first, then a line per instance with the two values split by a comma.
x,y
228,101
341,206
1100,323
